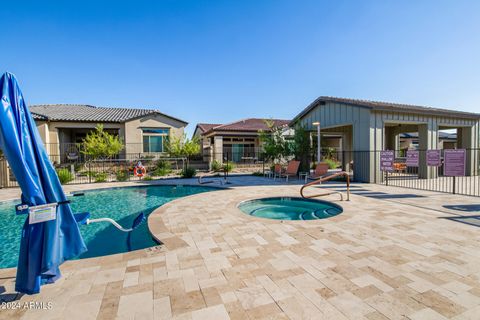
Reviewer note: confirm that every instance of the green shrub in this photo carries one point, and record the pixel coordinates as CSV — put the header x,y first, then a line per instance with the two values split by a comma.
x,y
162,168
65,176
92,174
160,172
329,152
100,177
188,172
332,164
78,166
216,165
122,175
163,164
228,167
101,144
257,174
147,178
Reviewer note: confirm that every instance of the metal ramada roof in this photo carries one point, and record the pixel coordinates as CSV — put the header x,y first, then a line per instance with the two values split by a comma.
x,y
89,113
388,106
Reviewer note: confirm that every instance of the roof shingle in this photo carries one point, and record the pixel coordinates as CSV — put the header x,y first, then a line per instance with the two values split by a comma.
x,y
89,113
204,127
388,106
245,125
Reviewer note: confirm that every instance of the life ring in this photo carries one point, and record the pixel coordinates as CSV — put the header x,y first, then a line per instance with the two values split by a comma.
x,y
139,171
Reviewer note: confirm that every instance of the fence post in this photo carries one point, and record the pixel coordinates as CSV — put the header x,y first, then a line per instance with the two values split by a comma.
x,y
89,172
263,165
454,185
386,178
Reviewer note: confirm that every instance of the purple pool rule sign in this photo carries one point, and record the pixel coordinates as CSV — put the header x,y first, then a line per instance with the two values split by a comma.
x,y
386,160
412,158
454,162
434,158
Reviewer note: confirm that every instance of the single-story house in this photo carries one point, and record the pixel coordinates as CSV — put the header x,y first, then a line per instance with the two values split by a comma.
x,y
238,141
368,127
143,131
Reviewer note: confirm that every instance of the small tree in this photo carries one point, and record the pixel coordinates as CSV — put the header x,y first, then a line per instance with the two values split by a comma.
x,y
301,147
183,147
100,144
274,144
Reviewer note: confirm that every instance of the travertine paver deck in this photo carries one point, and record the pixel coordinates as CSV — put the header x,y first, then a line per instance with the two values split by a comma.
x,y
390,255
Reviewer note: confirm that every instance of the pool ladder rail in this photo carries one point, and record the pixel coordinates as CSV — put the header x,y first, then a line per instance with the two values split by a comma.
x,y
323,179
222,180
84,218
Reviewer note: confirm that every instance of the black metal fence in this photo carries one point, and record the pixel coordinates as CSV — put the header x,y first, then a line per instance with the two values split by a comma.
x,y
247,158
434,177
84,170
365,167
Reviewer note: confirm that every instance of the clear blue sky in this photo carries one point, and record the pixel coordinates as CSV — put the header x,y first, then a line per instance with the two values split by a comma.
x,y
219,61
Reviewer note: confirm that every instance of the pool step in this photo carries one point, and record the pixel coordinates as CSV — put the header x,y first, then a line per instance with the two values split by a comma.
x,y
307,215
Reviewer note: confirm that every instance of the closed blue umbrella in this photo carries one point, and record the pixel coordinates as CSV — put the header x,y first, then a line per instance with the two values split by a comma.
x,y
44,245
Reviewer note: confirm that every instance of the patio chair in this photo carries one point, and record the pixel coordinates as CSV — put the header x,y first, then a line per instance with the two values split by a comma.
x,y
277,171
320,170
399,167
292,169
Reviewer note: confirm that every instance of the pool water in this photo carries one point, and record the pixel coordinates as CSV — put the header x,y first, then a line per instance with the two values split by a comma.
x,y
121,204
286,208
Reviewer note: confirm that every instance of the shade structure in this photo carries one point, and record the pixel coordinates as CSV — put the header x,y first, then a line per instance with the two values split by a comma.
x,y
44,245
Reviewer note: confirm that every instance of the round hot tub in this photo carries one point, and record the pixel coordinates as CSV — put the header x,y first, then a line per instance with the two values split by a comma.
x,y
290,208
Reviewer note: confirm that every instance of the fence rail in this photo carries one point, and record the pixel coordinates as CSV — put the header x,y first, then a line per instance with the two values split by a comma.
x,y
364,166
434,178
83,170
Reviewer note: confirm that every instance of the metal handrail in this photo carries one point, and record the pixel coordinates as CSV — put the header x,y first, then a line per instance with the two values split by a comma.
x,y
222,180
326,178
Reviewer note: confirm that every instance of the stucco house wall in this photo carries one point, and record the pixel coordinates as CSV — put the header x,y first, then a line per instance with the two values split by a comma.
x,y
133,136
60,128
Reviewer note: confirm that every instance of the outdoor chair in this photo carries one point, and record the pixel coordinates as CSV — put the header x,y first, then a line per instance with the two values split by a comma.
x,y
400,167
292,169
277,171
320,171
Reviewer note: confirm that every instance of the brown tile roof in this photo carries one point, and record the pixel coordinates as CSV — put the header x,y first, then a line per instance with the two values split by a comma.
x,y
245,125
206,126
387,106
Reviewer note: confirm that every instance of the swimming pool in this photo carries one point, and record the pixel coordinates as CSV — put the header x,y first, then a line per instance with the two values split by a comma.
x,y
290,208
120,204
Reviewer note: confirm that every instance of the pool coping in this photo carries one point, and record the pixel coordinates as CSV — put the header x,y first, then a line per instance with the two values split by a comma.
x,y
159,231
158,239
229,261
172,241
296,199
